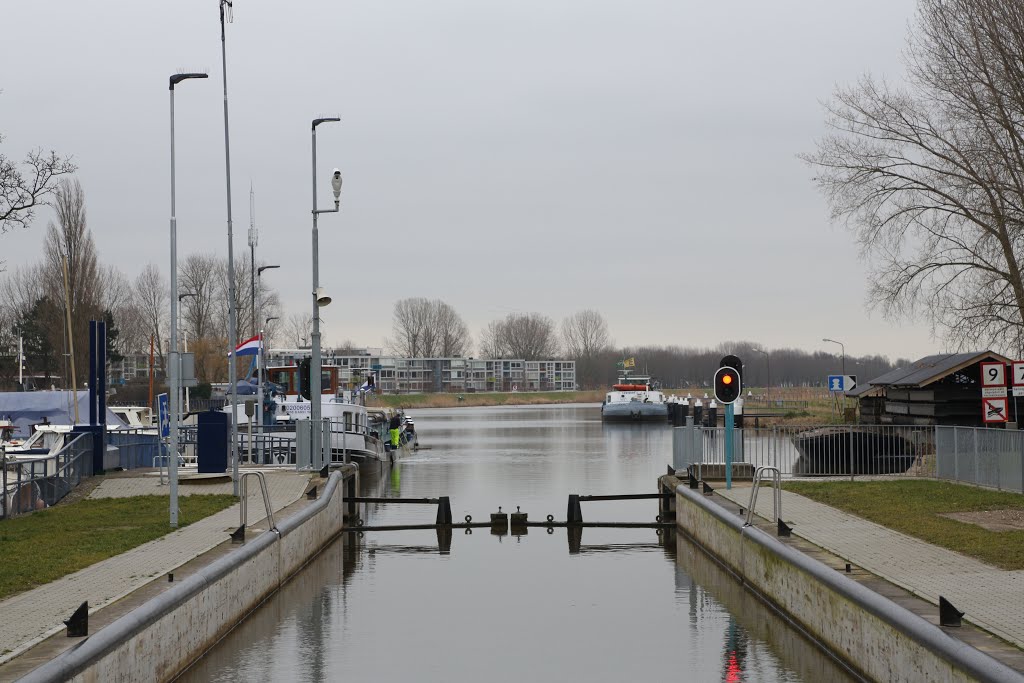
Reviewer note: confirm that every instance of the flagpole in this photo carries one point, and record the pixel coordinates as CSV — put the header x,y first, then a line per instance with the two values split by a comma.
x,y
259,397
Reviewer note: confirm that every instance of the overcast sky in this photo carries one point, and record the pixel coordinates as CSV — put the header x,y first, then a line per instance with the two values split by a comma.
x,y
537,156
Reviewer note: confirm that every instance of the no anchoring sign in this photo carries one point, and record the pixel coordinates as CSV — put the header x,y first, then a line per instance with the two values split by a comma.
x,y
994,409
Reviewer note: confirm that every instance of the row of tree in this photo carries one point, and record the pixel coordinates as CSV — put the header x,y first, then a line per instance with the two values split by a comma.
x,y
425,328
69,286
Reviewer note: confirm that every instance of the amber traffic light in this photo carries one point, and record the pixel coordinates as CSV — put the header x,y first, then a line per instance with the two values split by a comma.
x,y
727,385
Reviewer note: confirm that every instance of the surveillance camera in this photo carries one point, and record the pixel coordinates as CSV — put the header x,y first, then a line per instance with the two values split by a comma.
x,y
336,184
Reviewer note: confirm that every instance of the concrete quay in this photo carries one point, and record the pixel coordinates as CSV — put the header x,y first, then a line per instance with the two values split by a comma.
x,y
32,631
879,619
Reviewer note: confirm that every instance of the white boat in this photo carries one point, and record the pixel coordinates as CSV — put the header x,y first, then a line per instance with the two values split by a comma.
x,y
633,400
356,432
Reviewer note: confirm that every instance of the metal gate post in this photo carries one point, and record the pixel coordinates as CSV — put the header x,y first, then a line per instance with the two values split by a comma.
x,y
729,412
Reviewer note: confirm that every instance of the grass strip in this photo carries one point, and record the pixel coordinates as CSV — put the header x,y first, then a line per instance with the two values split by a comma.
x,y
913,507
46,545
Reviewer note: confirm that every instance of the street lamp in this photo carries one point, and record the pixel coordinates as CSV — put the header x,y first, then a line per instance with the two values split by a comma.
x,y
174,359
767,360
319,299
843,348
225,13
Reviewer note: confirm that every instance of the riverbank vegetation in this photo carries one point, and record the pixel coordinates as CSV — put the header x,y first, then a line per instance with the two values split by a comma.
x,y
919,507
46,545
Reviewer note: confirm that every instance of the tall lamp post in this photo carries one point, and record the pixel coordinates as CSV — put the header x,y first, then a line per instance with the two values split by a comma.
x,y
768,362
842,348
320,299
225,13
174,359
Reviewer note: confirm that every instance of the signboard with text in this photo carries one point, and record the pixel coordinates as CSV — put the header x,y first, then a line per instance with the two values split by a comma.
x,y
1017,377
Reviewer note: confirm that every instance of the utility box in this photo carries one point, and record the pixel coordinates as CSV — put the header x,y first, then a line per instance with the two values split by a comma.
x,y
212,446
188,369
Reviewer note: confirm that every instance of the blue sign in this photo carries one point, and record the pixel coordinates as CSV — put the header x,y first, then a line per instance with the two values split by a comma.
x,y
841,383
164,412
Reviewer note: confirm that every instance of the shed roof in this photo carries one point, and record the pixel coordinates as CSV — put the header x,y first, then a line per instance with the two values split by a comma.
x,y
933,368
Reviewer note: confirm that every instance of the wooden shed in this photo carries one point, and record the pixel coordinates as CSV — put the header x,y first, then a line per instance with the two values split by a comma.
x,y
943,389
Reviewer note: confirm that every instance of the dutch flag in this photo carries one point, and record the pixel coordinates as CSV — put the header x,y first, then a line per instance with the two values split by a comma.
x,y
250,347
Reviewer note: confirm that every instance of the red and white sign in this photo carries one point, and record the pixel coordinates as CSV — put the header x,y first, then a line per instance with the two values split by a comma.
x,y
994,410
993,380
993,375
1017,377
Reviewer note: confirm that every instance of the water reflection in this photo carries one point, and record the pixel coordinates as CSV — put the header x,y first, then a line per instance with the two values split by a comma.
x,y
594,604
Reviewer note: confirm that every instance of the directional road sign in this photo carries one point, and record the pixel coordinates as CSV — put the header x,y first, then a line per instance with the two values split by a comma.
x,y
164,412
994,409
841,383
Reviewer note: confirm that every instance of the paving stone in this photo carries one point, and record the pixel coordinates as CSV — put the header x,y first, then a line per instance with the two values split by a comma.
x,y
38,613
992,598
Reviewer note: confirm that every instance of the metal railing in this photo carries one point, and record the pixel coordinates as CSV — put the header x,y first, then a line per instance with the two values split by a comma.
x,y
776,484
976,455
832,450
243,508
32,483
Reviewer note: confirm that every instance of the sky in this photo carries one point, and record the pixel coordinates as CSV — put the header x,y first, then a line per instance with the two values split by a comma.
x,y
638,158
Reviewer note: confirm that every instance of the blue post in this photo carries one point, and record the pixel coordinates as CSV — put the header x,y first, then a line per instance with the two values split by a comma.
x,y
728,444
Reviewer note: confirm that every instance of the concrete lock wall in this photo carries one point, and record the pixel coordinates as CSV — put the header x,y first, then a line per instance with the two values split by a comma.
x,y
871,634
159,639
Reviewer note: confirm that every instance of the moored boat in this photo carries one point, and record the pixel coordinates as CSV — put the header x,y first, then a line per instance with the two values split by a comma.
x,y
633,400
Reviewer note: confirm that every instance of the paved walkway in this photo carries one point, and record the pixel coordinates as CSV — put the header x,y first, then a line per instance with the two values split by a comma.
x,y
992,598
32,616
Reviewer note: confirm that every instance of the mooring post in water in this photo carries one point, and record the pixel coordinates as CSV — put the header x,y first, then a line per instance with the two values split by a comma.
x,y
729,411
444,511
573,513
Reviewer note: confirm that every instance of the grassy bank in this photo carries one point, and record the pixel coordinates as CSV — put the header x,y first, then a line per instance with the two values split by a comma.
x,y
914,507
46,545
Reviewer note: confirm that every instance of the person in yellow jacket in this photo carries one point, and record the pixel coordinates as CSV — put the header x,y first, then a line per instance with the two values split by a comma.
x,y
395,429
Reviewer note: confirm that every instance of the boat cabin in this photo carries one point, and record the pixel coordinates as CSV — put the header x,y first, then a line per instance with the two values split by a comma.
x,y
288,377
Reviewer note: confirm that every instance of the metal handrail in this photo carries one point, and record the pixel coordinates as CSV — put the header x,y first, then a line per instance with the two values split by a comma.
x,y
776,499
243,511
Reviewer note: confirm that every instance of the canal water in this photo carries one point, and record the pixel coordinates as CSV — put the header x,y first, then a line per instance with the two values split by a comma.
x,y
627,604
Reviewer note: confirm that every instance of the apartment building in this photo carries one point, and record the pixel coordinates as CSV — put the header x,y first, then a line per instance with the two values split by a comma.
x,y
435,375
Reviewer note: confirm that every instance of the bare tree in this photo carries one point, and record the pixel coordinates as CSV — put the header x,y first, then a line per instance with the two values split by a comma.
x,y
530,336
198,277
585,339
426,328
411,327
69,241
452,337
153,299
24,187
298,330
930,177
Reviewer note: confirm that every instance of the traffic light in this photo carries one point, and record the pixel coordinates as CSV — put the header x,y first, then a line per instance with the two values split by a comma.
x,y
304,378
727,385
